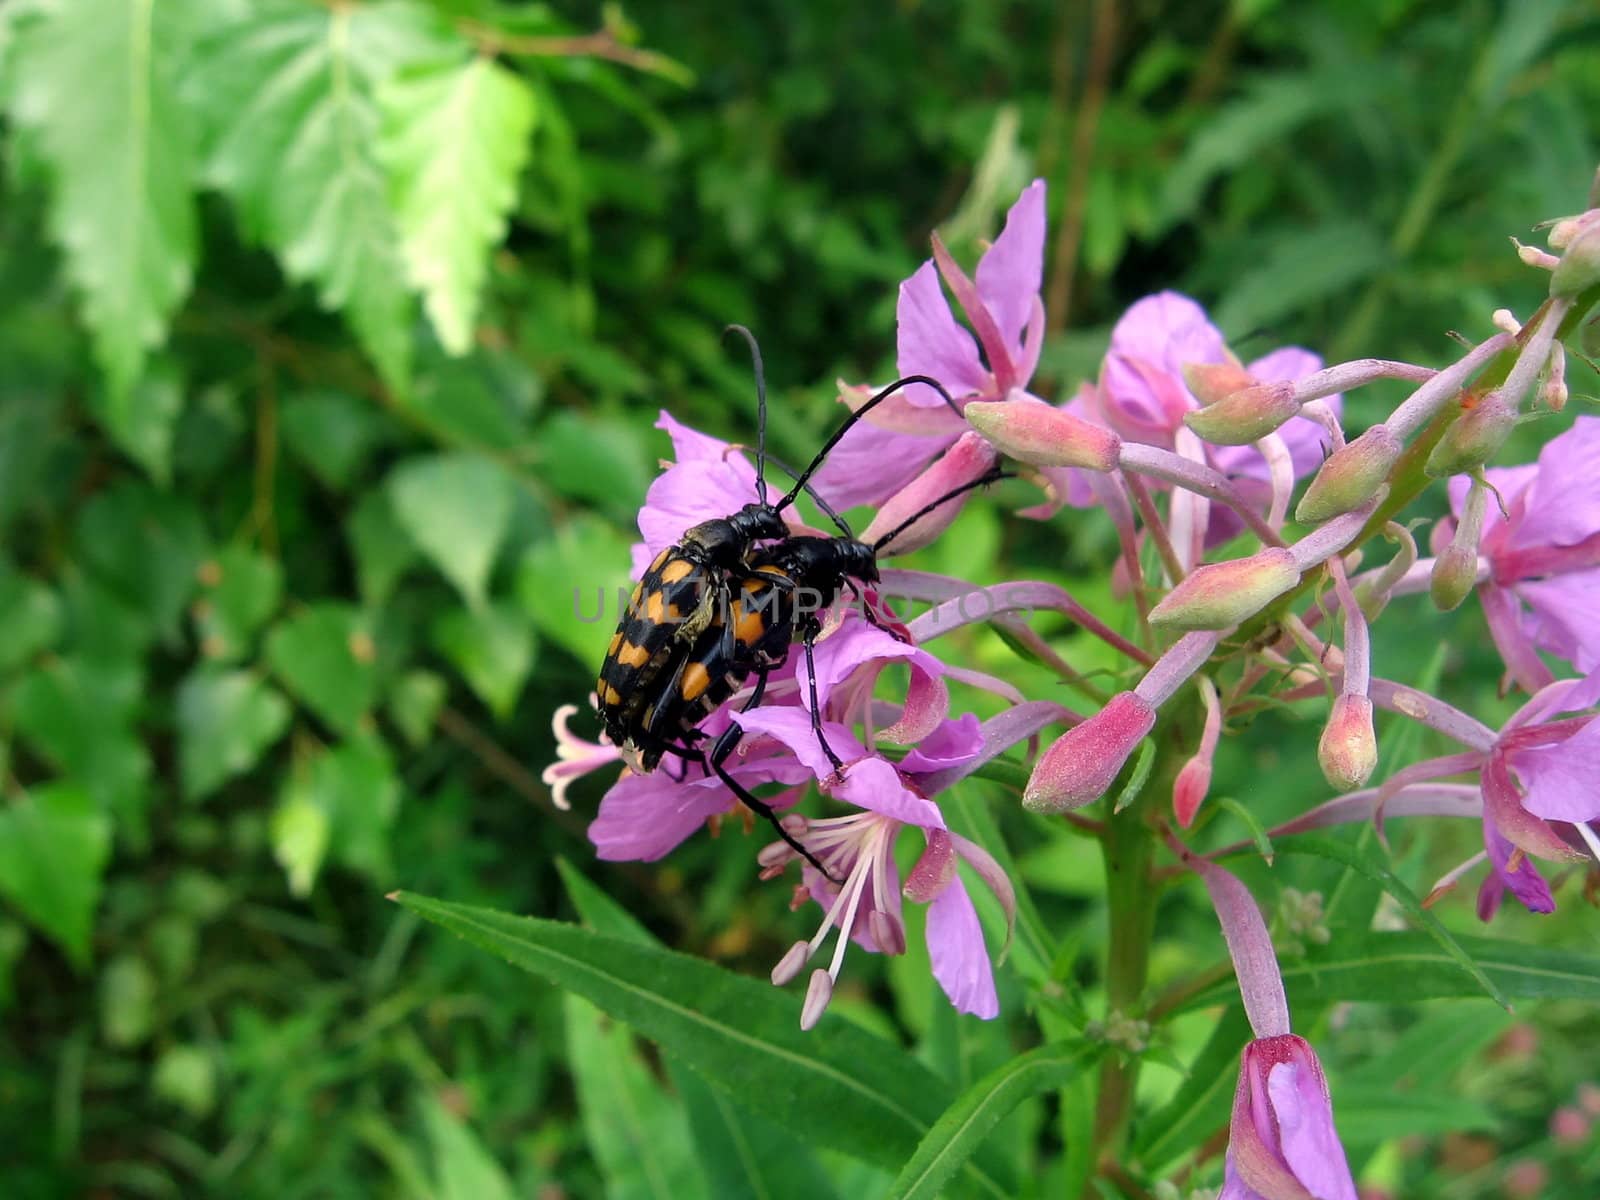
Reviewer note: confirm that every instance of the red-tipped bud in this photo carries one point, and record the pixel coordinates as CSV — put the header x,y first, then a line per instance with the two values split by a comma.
x,y
1351,476
1220,595
1081,765
1245,416
1213,382
1348,751
1476,436
964,463
1189,789
1033,432
1579,268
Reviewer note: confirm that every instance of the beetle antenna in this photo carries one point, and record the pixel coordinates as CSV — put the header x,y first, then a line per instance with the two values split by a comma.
x,y
761,410
992,475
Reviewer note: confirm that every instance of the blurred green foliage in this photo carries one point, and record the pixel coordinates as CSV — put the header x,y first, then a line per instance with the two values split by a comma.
x,y
331,337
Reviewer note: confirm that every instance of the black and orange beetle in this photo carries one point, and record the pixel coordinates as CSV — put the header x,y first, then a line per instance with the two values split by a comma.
x,y
726,603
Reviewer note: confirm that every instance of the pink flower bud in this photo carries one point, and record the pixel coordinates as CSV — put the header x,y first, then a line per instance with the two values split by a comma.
x,y
1351,476
1033,432
1526,1179
1212,382
1569,1126
1475,437
1220,595
965,462
1189,789
1565,230
1579,268
1348,751
1245,416
1081,765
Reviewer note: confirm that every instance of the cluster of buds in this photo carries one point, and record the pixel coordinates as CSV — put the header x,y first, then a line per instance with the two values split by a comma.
x,y
1184,448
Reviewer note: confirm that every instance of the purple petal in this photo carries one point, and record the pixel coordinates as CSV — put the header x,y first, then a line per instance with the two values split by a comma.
x,y
1011,271
1525,882
960,961
690,445
1565,618
932,342
993,875
1560,779
870,464
1150,343
1309,1142
1234,1188
951,744
873,784
707,481
644,817
791,726
1564,502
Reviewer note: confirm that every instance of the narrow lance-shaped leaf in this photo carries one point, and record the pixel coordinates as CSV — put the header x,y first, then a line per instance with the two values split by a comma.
x,y
454,141
95,95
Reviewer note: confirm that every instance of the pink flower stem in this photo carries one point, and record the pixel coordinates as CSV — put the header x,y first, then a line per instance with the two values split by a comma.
x,y
1197,478
1345,376
1156,527
1428,399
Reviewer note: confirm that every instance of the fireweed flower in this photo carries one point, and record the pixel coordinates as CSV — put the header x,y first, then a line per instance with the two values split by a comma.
x,y
1543,556
575,757
1003,306
858,849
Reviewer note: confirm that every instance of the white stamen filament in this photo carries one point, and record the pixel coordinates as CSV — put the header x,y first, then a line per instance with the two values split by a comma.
x,y
1448,879
1588,836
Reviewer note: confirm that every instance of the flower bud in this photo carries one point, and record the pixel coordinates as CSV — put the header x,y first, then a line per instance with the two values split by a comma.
x,y
1214,382
1351,476
1220,595
1476,436
1348,751
1281,1139
1579,268
1189,789
1081,765
1244,416
1455,572
967,461
1553,392
1033,432
1563,232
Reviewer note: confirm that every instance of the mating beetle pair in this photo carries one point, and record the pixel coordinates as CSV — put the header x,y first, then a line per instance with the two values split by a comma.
x,y
724,604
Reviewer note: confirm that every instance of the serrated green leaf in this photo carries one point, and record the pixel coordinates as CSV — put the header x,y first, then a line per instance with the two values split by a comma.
x,y
568,584
287,93
95,92
324,655
454,141
958,1133
226,721
241,589
142,417
456,508
54,846
30,614
383,551
492,647
414,701
463,1168
332,433
848,1090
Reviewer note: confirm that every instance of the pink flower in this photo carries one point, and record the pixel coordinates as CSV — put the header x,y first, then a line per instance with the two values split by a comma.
x,y
1544,556
1282,1144
882,454
858,849
575,757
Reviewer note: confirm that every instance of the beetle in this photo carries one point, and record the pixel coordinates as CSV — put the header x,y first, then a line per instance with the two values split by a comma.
x,y
725,603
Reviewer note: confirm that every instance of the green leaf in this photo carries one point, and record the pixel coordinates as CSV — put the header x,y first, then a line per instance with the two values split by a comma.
x,y
569,584
1369,1115
226,721
95,96
956,1136
54,846
77,714
456,508
1203,1102
241,591
603,461
146,547
187,1077
848,1089
1404,967
463,1169
287,92
383,551
324,655
339,804
1339,852
414,701
333,433
492,647
30,614
299,830
127,1001
454,141
636,1133
142,418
